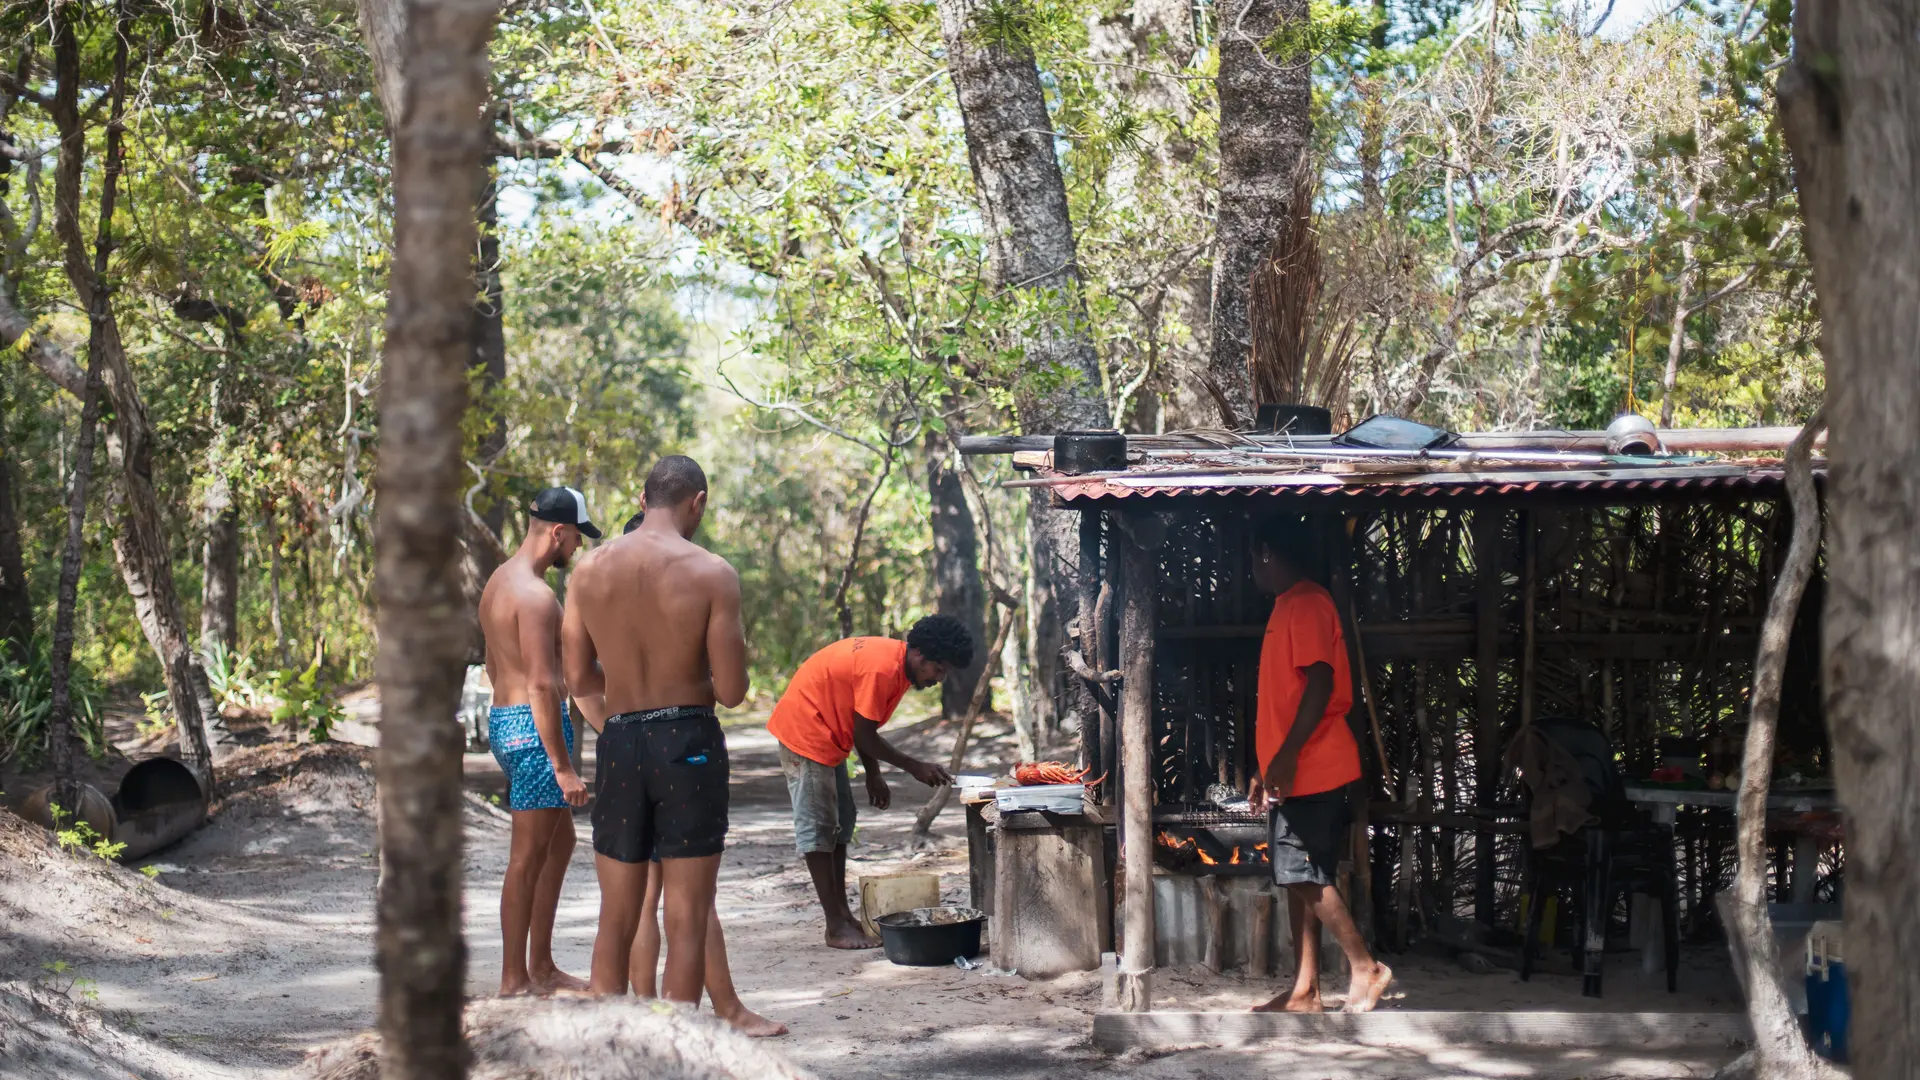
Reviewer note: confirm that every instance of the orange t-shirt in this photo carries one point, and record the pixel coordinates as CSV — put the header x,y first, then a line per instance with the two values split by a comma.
x,y
1305,630
864,675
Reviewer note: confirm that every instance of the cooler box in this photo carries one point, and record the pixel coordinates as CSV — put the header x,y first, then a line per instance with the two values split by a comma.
x,y
1059,798
1828,1008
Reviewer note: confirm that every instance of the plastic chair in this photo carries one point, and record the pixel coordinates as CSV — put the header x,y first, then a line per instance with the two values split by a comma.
x,y
1622,852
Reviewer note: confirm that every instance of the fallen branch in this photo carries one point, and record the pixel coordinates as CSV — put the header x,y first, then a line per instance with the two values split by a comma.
x,y
1779,1052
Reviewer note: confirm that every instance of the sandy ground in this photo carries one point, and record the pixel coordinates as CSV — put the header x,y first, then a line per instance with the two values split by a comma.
x,y
253,945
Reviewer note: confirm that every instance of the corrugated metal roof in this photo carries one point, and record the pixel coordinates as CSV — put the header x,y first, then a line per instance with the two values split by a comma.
x,y
1633,481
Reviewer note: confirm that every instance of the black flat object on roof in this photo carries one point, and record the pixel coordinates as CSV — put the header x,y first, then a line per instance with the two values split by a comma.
x,y
1395,433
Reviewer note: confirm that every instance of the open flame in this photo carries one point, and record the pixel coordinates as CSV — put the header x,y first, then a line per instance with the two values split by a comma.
x,y
1188,849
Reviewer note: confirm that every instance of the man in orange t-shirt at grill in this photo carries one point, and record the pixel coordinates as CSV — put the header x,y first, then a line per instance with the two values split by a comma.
x,y
836,705
1308,760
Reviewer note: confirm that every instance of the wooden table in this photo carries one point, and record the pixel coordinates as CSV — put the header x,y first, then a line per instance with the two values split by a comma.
x,y
1663,802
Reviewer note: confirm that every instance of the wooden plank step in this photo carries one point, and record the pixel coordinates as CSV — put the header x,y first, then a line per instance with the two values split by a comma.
x,y
1118,1031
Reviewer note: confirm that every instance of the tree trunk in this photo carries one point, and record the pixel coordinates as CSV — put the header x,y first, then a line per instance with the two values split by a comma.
x,y
1850,102
1677,333
1030,250
483,551
957,589
1265,127
67,592
1780,1053
438,147
16,603
140,545
1373,117
220,571
273,586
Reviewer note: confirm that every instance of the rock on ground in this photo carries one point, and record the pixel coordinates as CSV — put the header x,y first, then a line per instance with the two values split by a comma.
x,y
580,1039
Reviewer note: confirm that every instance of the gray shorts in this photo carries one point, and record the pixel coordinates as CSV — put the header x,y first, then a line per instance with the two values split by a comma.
x,y
1309,833
823,812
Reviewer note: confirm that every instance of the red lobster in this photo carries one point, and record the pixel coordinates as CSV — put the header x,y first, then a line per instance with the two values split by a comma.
x,y
1052,772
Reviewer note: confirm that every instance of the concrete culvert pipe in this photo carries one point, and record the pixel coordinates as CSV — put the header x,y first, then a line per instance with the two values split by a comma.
x,y
158,801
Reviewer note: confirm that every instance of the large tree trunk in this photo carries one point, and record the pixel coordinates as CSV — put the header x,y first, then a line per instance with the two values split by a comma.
x,y
141,545
1265,127
1850,102
957,589
1030,251
439,140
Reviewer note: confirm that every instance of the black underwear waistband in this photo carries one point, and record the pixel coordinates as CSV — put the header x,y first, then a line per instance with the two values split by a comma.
x,y
659,716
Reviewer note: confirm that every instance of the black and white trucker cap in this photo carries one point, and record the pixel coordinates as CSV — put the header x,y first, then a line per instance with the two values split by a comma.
x,y
567,507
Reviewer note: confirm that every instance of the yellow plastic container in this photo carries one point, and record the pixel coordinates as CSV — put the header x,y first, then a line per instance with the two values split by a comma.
x,y
884,894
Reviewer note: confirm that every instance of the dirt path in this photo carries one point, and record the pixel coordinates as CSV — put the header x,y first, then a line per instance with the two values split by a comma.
x,y
254,945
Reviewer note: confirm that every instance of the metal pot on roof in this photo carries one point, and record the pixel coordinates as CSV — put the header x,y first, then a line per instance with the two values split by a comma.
x,y
1631,433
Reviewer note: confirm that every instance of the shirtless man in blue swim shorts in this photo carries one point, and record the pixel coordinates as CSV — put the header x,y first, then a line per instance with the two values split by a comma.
x,y
532,737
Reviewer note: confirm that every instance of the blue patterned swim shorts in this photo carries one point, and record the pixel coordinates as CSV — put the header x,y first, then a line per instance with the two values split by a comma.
x,y
516,746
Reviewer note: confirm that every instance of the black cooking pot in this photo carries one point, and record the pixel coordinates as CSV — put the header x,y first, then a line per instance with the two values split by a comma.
x,y
1076,452
930,937
1293,420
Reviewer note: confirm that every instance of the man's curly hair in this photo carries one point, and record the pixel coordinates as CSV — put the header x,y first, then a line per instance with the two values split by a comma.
x,y
942,639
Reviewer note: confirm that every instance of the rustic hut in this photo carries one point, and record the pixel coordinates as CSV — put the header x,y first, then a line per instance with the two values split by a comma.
x,y
1488,585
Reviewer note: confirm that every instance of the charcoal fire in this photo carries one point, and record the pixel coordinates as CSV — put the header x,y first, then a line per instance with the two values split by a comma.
x,y
1188,849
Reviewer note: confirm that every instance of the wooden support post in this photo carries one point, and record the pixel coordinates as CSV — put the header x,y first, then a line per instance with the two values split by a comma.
x,y
1489,528
1213,909
1085,706
1530,594
1137,540
1260,943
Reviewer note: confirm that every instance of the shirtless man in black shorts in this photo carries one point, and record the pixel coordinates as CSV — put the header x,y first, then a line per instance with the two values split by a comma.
x,y
652,629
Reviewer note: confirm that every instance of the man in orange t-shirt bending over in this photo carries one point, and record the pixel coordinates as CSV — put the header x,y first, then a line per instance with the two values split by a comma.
x,y
1308,761
834,706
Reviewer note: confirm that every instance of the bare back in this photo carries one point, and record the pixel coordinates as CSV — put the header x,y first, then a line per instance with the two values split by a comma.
x,y
661,615
520,619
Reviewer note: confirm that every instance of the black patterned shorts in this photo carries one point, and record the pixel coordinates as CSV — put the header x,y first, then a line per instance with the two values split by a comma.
x,y
660,786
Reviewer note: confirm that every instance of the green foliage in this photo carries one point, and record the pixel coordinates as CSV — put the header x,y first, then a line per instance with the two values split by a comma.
x,y
231,677
26,702
302,701
157,715
1328,28
62,978
80,837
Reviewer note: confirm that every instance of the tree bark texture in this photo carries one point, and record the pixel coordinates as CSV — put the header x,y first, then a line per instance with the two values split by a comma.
x,y
1850,103
1030,251
220,571
439,144
141,545
383,27
1023,198
1139,577
1265,127
1780,1053
67,591
16,603
957,588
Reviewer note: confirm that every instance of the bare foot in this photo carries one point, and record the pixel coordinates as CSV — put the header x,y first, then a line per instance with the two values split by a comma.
x,y
852,936
516,988
555,981
1368,989
1294,1004
752,1024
